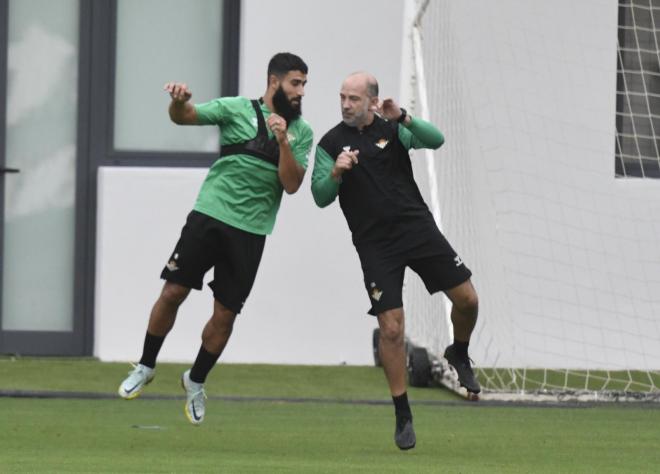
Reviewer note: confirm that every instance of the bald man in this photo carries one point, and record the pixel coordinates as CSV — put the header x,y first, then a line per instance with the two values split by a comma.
x,y
365,161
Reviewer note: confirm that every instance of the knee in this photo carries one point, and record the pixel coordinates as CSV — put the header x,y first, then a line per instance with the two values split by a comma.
x,y
174,294
391,330
468,302
223,319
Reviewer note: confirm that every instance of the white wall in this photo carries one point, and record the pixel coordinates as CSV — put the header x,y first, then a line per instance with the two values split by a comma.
x,y
565,257
308,305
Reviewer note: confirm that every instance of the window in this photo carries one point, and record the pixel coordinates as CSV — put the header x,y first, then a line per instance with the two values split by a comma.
x,y
156,42
41,140
638,90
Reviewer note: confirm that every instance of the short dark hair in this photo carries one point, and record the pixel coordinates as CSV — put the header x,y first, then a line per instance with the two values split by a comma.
x,y
282,63
372,87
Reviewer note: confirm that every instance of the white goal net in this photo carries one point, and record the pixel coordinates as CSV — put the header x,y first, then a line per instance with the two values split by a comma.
x,y
565,250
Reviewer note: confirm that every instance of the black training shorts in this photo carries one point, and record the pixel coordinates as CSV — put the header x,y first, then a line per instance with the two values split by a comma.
x,y
233,253
431,257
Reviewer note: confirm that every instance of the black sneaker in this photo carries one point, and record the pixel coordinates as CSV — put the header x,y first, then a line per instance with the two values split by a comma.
x,y
404,435
463,369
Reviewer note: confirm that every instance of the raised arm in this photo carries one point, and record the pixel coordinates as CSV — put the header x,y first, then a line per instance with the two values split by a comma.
x,y
290,172
413,132
182,111
420,134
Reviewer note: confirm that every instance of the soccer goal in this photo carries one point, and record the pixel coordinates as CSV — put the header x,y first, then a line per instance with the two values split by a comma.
x,y
530,188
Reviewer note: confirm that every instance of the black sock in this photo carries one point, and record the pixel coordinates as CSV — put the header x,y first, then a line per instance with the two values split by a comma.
x,y
461,348
152,345
401,407
203,365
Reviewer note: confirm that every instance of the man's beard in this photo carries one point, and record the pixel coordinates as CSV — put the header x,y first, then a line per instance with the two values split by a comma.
x,y
355,120
284,107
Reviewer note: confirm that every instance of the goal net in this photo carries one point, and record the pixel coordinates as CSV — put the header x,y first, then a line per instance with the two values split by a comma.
x,y
565,250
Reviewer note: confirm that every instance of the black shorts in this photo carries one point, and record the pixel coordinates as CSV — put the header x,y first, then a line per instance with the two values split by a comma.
x,y
432,258
233,253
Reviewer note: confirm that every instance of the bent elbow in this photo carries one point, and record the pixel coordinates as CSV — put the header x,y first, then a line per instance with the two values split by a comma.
x,y
321,202
439,142
177,120
182,118
291,189
292,184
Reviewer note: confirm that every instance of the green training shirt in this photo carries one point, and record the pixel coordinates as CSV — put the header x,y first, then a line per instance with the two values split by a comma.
x,y
241,190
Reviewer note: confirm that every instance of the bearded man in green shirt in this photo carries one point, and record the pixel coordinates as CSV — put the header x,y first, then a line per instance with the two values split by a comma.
x,y
265,145
364,160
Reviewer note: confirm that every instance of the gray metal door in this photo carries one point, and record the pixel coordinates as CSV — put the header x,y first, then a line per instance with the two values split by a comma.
x,y
41,238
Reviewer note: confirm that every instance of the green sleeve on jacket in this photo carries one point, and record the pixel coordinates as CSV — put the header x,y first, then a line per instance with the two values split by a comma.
x,y
324,187
420,134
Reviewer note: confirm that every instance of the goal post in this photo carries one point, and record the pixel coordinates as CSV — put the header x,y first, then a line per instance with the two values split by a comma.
x,y
565,254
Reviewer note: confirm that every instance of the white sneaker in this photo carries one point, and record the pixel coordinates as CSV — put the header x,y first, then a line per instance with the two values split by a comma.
x,y
195,399
137,378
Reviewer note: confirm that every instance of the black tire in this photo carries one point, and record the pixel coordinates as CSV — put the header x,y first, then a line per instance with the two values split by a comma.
x,y
419,367
375,340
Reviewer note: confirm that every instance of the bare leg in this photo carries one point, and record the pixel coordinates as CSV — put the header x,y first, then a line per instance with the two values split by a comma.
x,y
218,329
392,350
161,320
464,311
163,313
463,317
215,336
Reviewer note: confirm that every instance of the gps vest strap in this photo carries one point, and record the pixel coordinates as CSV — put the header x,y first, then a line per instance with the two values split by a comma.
x,y
261,146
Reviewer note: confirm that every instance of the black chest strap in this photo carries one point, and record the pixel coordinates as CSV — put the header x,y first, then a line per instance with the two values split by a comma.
x,y
261,146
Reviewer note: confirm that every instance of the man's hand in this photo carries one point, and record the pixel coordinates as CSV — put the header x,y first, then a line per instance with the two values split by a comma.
x,y
345,161
279,127
181,110
289,170
178,91
389,109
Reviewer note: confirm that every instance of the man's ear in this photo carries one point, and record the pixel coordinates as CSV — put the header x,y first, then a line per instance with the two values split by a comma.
x,y
373,104
273,81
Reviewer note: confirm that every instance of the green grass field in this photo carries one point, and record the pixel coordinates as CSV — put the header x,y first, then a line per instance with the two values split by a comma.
x,y
331,436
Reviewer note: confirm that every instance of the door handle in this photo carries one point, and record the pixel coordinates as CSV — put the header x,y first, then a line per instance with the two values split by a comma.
x,y
4,170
